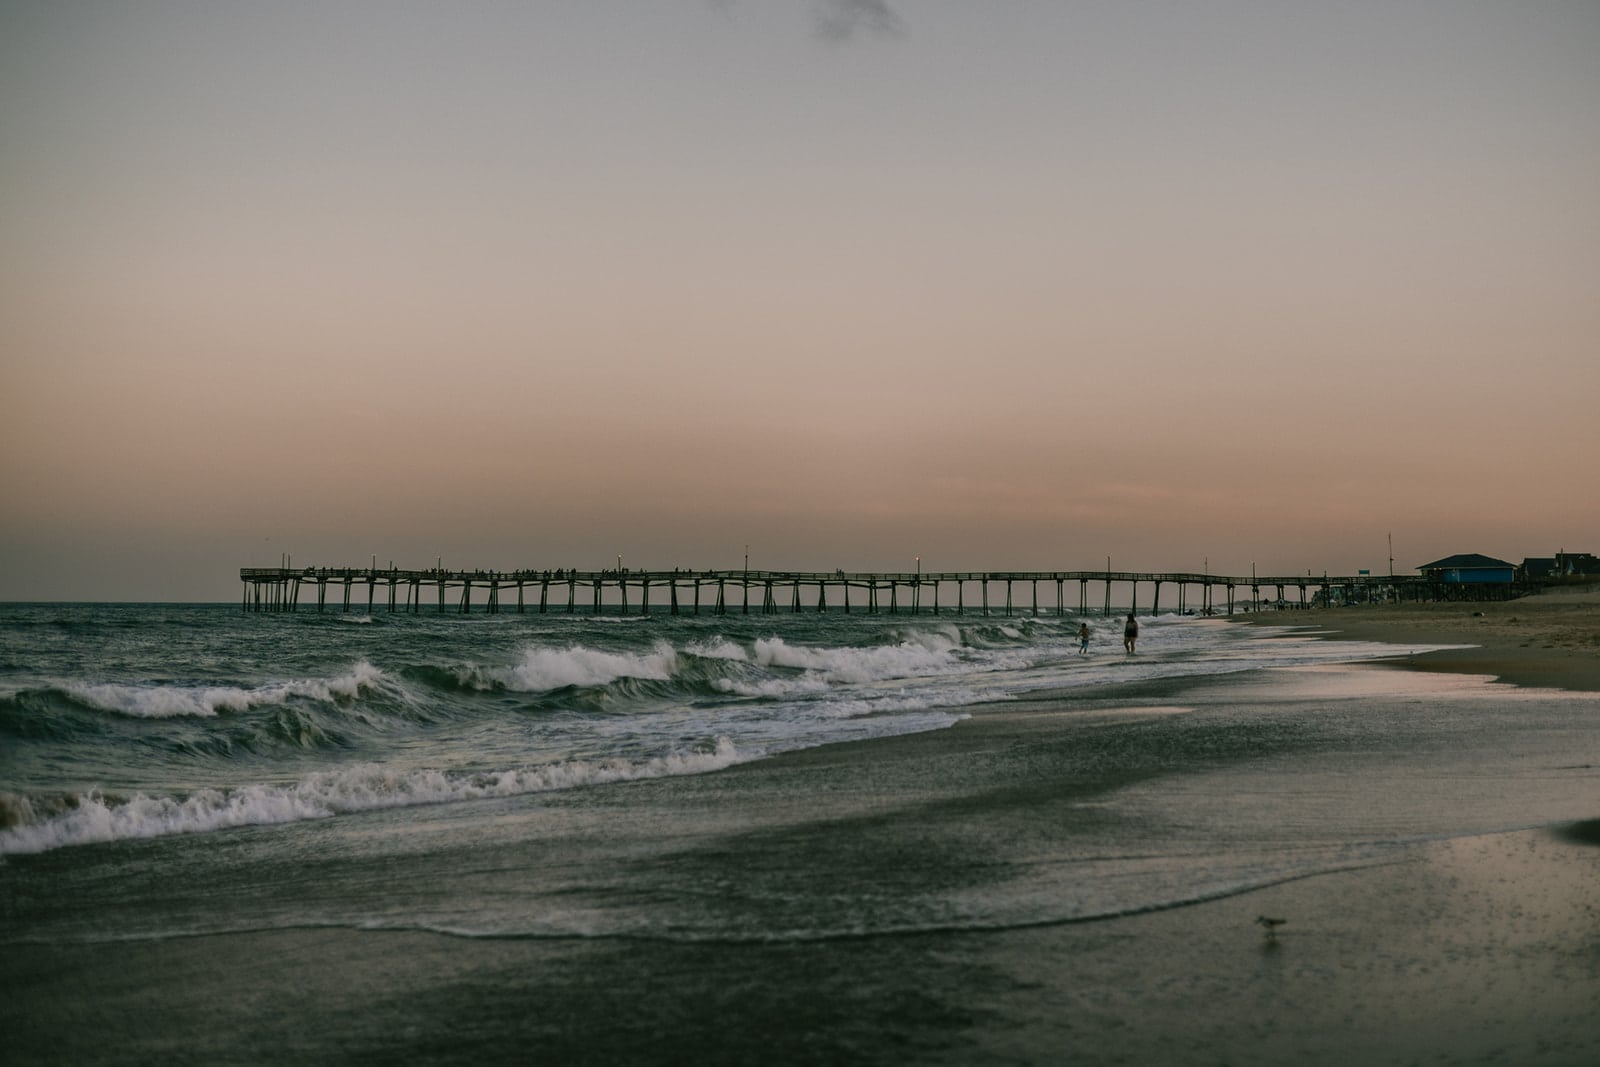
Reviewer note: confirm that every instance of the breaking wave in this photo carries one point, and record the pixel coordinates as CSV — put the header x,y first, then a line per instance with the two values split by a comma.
x,y
770,666
36,824
169,701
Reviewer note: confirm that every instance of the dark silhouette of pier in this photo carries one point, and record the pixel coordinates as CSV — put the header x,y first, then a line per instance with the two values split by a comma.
x,y
677,591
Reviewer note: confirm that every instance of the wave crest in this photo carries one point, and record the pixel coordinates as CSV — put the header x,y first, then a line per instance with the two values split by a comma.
x,y
37,824
544,669
931,654
171,701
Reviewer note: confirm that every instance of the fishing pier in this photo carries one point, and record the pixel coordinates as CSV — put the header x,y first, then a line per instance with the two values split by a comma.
x,y
279,589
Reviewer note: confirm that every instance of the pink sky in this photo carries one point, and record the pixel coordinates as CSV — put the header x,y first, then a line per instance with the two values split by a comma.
x,y
1003,286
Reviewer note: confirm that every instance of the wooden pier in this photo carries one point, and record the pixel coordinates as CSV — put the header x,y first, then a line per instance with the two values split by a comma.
x,y
279,589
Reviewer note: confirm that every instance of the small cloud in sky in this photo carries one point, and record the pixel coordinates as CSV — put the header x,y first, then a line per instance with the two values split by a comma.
x,y
839,20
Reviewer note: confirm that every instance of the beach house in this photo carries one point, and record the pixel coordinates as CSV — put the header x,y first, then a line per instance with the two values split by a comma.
x,y
1576,564
1470,568
1561,567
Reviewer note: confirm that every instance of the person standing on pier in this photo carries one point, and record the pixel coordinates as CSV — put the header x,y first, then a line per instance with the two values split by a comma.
x,y
1130,633
1083,639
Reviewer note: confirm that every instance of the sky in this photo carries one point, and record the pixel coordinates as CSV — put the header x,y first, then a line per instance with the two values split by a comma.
x,y
1013,285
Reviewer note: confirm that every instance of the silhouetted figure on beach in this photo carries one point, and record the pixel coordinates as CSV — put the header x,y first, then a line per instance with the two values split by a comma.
x,y
1130,633
1083,639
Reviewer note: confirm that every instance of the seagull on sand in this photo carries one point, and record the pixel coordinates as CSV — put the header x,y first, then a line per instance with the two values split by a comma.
x,y
1271,925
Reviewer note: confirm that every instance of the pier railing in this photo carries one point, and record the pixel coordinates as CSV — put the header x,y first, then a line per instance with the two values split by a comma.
x,y
679,591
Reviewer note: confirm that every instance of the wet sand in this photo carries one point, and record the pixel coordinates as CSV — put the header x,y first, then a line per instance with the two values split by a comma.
x,y
1482,949
1478,950
1475,950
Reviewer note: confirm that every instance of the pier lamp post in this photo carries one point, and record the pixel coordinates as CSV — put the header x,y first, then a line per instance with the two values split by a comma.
x,y
919,566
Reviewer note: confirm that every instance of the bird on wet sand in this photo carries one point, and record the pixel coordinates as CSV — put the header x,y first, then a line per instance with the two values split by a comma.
x,y
1271,925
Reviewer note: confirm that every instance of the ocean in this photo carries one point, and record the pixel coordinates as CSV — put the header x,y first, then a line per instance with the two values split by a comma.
x,y
142,721
609,838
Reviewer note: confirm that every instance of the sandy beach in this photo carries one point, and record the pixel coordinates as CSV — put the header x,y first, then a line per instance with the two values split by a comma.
x,y
1549,639
1442,948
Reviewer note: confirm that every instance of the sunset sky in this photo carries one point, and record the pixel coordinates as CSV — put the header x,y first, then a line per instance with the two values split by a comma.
x,y
1021,284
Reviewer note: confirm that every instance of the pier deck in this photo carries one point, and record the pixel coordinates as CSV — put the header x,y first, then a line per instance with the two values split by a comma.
x,y
278,589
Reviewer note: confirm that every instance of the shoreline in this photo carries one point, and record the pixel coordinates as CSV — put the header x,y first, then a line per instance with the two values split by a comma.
x,y
1548,640
1479,948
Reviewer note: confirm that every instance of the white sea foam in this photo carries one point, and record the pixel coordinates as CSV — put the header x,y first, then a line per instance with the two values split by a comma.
x,y
901,702
474,676
93,817
169,701
163,702
932,655
544,669
719,648
771,688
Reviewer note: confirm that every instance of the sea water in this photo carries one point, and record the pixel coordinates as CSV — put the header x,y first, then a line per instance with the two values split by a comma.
x,y
131,721
173,771
229,838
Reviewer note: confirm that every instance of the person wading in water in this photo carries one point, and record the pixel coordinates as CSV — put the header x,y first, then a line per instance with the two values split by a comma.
x,y
1130,633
